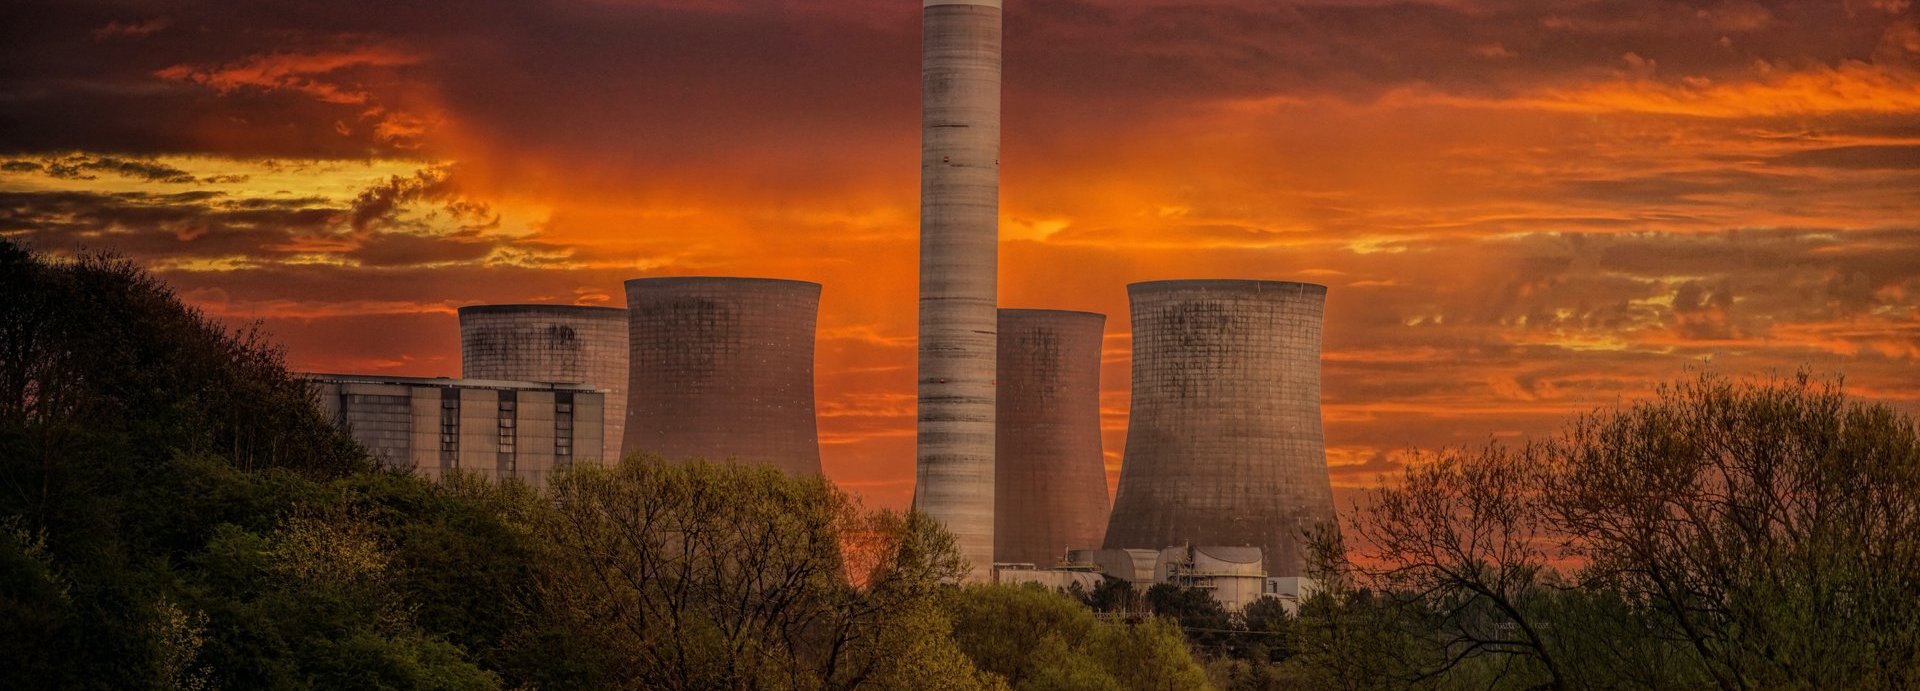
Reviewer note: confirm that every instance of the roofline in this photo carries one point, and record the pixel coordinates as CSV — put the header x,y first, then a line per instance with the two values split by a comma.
x,y
1243,284
1039,312
446,382
671,281
575,310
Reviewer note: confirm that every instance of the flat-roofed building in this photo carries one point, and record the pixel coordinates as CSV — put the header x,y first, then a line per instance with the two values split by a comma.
x,y
496,429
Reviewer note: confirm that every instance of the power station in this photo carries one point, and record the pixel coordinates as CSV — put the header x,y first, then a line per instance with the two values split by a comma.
x,y
1224,445
722,369
1051,479
1225,460
959,249
560,344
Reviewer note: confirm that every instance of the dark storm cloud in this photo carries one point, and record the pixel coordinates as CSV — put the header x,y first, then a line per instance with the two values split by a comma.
x,y
82,167
1521,206
381,203
186,228
672,82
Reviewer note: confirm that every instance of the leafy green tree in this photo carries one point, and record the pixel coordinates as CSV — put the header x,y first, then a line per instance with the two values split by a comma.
x,y
1770,528
1460,544
705,576
1036,639
162,482
1268,626
1115,596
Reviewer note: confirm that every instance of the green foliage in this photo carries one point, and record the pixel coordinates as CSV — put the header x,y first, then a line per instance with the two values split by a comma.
x,y
1734,535
1115,596
1769,527
703,575
1034,639
178,516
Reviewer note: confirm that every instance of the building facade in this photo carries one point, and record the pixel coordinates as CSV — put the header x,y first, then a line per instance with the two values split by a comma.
x,y
561,344
496,429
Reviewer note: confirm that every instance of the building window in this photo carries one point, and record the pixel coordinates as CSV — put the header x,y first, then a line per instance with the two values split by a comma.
x,y
449,429
509,401
563,429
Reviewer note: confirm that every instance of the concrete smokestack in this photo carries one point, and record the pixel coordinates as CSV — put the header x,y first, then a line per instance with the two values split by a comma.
x,y
1224,445
562,344
722,369
959,242
1052,488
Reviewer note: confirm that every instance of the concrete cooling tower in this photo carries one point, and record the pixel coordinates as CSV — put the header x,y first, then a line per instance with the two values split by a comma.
x,y
556,344
1224,445
722,369
1051,493
959,245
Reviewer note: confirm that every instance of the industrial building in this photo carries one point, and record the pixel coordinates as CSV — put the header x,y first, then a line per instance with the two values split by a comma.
x,y
1131,565
495,429
1232,575
562,344
959,250
1224,443
1052,578
722,369
1051,492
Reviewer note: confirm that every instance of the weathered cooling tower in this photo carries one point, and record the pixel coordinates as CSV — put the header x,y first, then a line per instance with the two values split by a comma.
x,y
722,369
1224,445
558,344
959,245
1051,491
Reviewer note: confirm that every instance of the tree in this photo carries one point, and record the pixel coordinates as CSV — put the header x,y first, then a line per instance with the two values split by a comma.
x,y
1344,636
1115,596
1770,528
1269,626
704,575
1460,544
1037,639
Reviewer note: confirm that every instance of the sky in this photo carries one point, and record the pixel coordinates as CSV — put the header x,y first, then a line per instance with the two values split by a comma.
x,y
1523,209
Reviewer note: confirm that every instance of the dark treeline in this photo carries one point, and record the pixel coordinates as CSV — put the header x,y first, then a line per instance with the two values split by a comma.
x,y
1719,535
174,514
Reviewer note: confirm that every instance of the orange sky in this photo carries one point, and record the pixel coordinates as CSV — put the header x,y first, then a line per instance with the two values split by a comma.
x,y
1522,208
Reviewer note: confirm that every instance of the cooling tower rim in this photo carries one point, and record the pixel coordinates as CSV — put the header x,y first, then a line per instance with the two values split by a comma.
x,y
1227,284
669,282
530,308
1052,313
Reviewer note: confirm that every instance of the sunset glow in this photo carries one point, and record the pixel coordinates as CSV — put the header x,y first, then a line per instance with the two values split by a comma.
x,y
1522,210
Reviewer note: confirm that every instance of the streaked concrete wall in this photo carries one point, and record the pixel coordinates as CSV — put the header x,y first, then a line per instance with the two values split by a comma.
x,y
497,429
1051,492
722,369
959,250
551,343
1224,442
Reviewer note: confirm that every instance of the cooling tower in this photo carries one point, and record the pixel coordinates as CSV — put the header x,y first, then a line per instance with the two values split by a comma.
x,y
959,237
1224,445
722,369
558,344
1051,493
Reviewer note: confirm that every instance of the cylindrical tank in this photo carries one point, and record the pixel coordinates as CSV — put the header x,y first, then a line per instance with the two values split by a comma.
x,y
1051,492
722,369
564,344
1224,445
959,245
